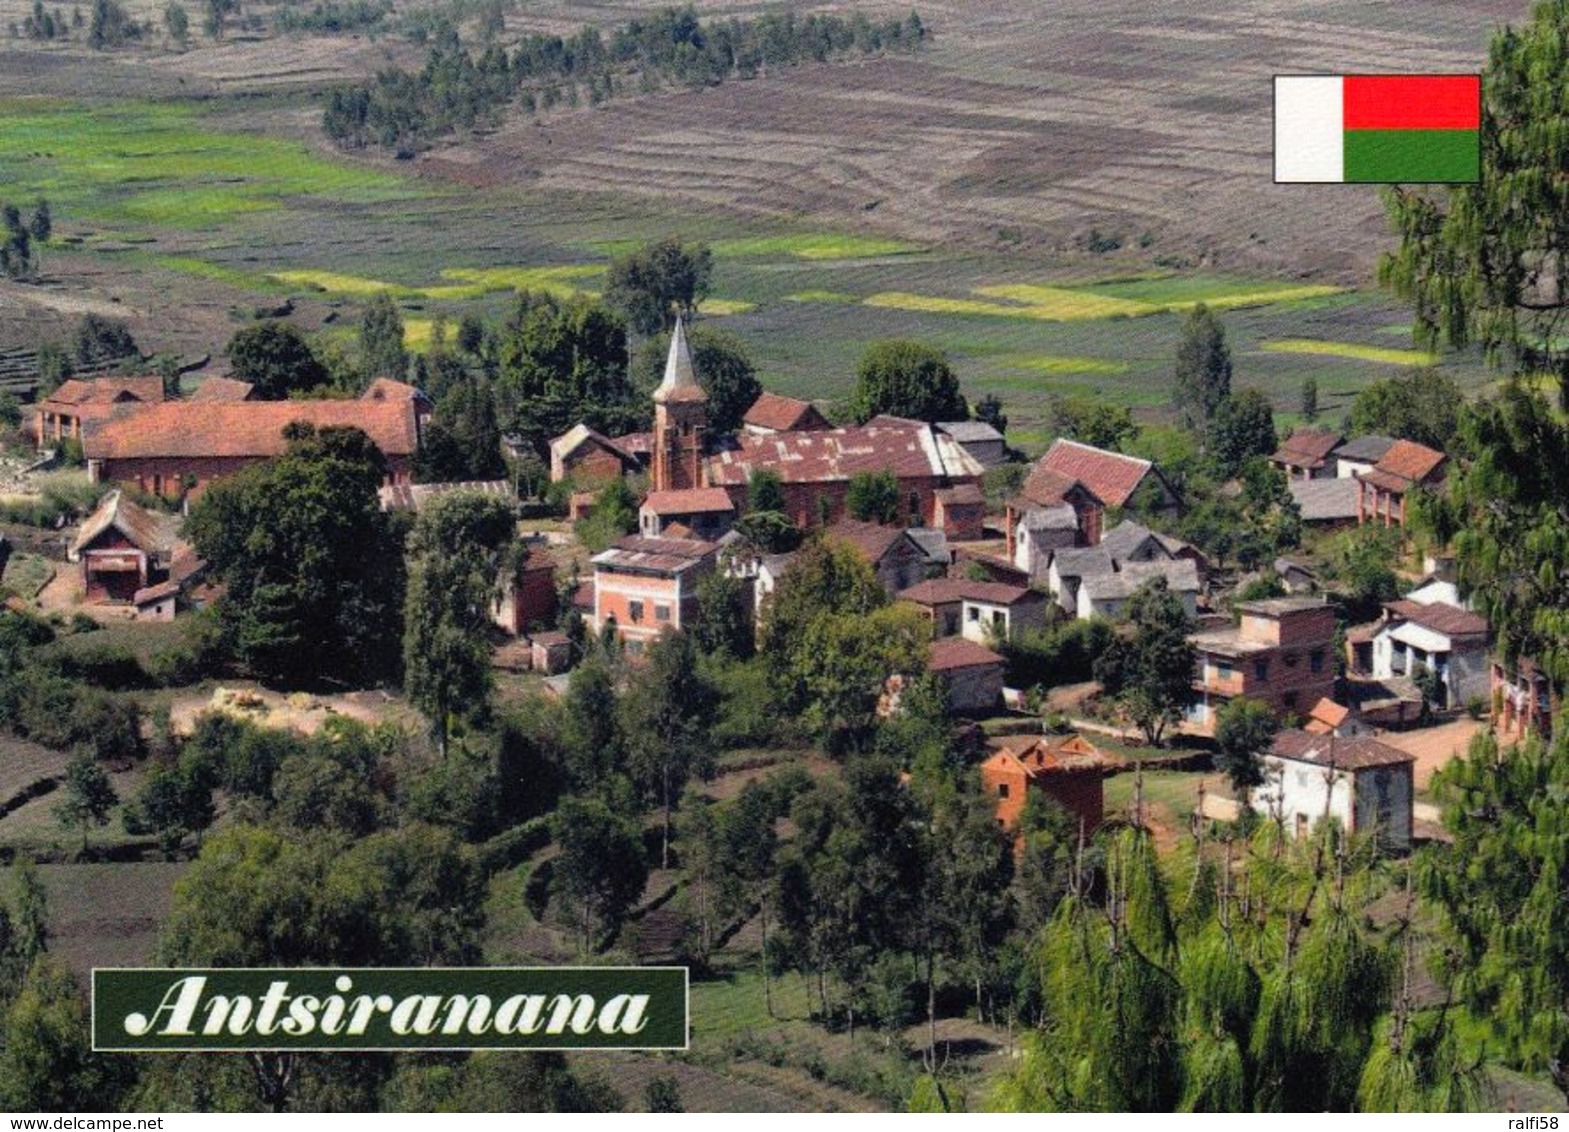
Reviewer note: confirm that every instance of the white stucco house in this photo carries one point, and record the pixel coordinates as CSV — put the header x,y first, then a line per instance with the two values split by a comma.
x,y
1452,641
1364,784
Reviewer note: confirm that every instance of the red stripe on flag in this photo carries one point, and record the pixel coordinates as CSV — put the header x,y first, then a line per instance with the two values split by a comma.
x,y
1412,102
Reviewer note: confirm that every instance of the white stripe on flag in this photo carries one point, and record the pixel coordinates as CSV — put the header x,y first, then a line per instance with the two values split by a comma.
x,y
1309,129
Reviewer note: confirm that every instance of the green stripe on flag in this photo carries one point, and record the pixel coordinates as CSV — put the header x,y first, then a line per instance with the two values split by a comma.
x,y
1412,156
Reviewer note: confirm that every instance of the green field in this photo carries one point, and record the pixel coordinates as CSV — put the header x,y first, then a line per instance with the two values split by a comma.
x,y
158,164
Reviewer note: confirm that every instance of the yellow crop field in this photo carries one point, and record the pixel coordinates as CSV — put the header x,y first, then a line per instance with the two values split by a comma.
x,y
822,297
1063,304
475,281
1258,298
936,304
1057,365
1350,350
340,284
718,308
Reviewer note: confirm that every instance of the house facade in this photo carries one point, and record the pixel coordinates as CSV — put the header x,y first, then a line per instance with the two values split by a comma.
x,y
643,586
79,404
124,549
1279,652
971,672
1451,641
1404,468
1364,784
977,611
705,511
1068,770
1307,454
588,457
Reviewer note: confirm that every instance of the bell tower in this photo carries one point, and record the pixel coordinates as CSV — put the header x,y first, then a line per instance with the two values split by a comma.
x,y
680,421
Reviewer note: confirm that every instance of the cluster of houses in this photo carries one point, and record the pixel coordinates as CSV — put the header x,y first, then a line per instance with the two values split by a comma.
x,y
1060,549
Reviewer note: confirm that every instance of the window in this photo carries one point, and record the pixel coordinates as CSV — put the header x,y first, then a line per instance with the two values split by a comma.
x,y
999,620
972,613
661,613
1223,670
1002,790
1316,660
1261,670
915,509
635,609
1291,701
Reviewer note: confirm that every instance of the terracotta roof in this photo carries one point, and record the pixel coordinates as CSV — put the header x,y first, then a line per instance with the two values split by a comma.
x,y
244,429
1047,487
1325,716
944,591
662,556
386,389
907,449
679,530
1362,634
1406,463
966,494
104,390
1110,475
1044,755
1356,753
782,414
689,501
148,531
1307,448
154,593
955,652
583,596
221,389
635,443
1450,620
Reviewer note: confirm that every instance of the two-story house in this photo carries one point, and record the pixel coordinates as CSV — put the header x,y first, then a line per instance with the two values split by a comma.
x,y
1280,652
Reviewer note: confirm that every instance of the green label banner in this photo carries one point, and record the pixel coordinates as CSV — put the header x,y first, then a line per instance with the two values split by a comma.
x,y
389,1008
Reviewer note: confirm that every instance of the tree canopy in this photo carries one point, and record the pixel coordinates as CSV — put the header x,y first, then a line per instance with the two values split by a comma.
x,y
1488,263
274,357
906,379
561,362
314,575
654,284
1203,371
723,368
1149,669
1423,406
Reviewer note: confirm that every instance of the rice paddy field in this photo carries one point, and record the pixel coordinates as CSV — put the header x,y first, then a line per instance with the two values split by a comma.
x,y
187,221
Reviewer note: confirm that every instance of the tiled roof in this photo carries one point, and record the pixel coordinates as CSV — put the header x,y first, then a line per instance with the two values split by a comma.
x,y
1125,538
1326,715
933,542
414,496
1307,448
1356,753
689,501
148,531
950,653
386,389
155,593
1181,575
104,390
1047,487
781,414
1406,463
635,443
245,429
1325,500
1450,620
1043,756
1082,562
1110,475
664,556
221,389
1060,517
945,591
1364,449
908,450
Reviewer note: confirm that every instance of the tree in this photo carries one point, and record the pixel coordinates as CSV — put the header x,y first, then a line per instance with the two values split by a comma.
x,y
1149,669
178,23
600,872
175,802
314,575
455,556
666,716
1093,422
462,442
16,252
827,577
614,515
653,285
381,339
560,362
723,369
111,26
97,340
89,795
873,497
906,379
1479,263
41,226
274,357
1423,406
843,664
1310,399
590,731
663,1094
725,616
1361,562
1244,730
988,410
47,1063
765,491
1203,372
1241,427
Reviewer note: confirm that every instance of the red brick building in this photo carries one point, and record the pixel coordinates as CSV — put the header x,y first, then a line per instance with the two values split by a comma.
x,y
586,456
123,549
1281,652
680,422
972,672
1306,454
1069,770
771,413
179,447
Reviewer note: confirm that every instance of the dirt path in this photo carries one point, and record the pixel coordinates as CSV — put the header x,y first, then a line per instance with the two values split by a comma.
x,y
1434,746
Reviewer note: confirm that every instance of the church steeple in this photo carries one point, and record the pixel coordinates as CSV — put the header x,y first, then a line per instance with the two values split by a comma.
x,y
680,420
680,383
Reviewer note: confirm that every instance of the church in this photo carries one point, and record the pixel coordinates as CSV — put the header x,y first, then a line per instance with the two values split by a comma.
x,y
939,481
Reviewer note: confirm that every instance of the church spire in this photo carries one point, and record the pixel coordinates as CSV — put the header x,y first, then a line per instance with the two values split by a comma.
x,y
680,383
